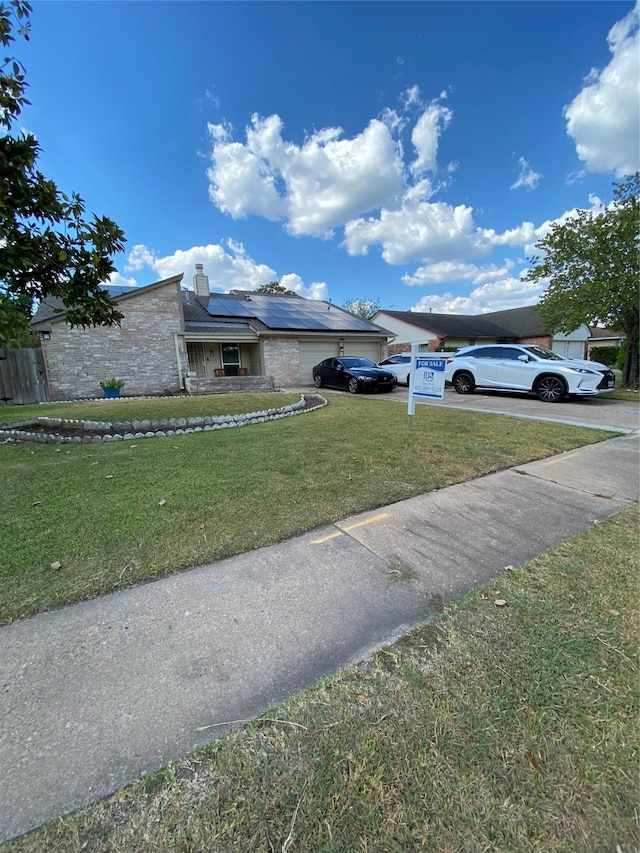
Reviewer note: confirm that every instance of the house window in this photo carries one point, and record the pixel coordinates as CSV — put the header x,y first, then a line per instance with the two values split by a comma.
x,y
230,355
195,354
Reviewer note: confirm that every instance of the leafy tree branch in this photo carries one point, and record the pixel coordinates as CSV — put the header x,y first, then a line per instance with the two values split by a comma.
x,y
364,308
275,287
48,248
592,266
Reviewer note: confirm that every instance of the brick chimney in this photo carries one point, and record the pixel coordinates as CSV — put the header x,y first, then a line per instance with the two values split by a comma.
x,y
201,282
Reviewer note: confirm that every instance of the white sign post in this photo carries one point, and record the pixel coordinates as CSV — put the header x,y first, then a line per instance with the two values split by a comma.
x,y
426,379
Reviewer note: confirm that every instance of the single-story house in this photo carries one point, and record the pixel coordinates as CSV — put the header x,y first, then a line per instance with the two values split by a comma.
x,y
599,337
173,339
452,331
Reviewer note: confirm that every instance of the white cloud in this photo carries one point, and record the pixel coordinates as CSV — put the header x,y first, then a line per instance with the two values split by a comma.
x,y
120,281
456,271
426,135
418,230
365,185
393,121
138,258
528,177
316,290
313,187
229,268
435,232
328,180
527,234
411,96
603,119
498,295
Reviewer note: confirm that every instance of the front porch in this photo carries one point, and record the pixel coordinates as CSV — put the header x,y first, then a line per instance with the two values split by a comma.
x,y
227,384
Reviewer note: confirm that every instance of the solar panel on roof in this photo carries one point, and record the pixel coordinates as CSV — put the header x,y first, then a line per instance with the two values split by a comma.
x,y
288,313
118,289
229,307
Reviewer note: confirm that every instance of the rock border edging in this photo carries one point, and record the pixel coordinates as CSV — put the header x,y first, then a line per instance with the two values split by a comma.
x,y
93,432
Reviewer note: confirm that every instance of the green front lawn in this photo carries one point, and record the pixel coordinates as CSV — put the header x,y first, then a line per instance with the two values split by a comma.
x,y
113,515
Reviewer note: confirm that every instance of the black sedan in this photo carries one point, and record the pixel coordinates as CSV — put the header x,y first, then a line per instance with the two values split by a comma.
x,y
354,374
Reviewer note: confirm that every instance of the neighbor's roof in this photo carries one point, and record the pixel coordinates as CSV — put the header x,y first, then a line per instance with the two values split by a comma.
x,y
453,325
523,322
604,334
510,324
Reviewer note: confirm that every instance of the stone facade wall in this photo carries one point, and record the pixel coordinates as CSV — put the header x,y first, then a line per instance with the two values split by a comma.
x,y
228,384
281,357
141,351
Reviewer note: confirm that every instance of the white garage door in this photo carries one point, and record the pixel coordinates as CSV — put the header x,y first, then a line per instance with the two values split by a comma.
x,y
569,349
365,349
315,351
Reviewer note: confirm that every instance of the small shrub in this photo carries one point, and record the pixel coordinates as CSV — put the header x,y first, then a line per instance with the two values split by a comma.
x,y
605,355
112,383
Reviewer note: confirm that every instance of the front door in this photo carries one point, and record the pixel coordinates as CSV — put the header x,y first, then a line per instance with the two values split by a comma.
x,y
230,359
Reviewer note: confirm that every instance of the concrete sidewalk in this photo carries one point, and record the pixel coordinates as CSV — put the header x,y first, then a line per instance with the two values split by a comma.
x,y
96,694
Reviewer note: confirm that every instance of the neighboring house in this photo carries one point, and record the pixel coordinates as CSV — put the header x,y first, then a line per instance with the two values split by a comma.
x,y
599,337
172,339
452,331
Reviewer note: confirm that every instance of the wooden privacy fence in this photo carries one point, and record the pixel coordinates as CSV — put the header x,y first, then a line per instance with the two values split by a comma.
x,y
22,377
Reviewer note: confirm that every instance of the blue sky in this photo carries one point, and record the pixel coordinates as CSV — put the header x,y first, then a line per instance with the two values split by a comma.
x,y
411,153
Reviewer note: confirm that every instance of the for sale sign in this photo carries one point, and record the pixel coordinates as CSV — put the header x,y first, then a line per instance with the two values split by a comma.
x,y
428,378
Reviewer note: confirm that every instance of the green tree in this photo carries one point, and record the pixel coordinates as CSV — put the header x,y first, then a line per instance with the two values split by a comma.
x,y
47,247
364,308
592,264
275,287
15,314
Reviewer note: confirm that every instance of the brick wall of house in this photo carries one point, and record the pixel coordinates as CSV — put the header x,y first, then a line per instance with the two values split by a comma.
x,y
281,358
394,349
141,351
228,384
541,341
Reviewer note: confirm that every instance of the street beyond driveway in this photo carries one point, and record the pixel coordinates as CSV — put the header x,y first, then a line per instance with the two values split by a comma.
x,y
96,694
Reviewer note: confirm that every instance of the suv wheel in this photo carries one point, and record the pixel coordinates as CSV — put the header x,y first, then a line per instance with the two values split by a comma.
x,y
464,382
551,389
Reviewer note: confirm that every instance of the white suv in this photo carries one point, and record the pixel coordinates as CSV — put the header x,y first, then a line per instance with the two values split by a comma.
x,y
526,367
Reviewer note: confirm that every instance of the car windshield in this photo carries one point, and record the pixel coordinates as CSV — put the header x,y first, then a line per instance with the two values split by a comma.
x,y
543,352
357,362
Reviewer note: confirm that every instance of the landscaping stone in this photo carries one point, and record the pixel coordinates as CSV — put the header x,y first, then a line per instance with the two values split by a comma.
x,y
65,431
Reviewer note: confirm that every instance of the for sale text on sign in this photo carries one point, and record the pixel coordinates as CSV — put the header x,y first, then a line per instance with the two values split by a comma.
x,y
428,380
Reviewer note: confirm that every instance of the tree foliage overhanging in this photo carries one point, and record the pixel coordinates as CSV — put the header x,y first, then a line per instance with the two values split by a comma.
x,y
364,308
592,265
275,287
47,247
